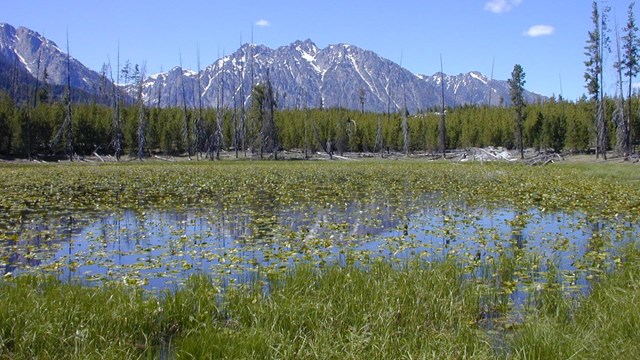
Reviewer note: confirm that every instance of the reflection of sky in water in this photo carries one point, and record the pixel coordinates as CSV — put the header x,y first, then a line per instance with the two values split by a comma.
x,y
162,248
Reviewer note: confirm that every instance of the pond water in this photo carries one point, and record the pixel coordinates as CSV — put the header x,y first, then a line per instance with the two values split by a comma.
x,y
159,249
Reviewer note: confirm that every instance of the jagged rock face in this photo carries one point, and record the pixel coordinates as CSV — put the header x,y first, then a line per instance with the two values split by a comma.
x,y
302,75
336,76
30,51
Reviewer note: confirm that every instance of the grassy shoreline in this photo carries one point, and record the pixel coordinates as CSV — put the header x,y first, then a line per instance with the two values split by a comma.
x,y
421,310
379,309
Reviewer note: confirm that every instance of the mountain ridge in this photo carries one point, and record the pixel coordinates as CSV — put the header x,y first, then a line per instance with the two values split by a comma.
x,y
302,74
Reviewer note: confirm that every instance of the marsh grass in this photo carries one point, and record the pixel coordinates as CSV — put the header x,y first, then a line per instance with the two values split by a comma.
x,y
602,325
366,309
377,310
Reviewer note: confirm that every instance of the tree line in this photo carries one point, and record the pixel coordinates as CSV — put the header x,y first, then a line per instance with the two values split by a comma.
x,y
557,125
120,123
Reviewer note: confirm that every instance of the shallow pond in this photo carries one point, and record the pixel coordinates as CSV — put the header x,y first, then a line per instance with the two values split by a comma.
x,y
510,248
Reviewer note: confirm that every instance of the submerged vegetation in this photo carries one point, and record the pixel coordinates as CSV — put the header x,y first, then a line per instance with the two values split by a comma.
x,y
420,310
360,259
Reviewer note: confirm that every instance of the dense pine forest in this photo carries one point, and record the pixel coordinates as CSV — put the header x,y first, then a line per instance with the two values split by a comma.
x,y
558,125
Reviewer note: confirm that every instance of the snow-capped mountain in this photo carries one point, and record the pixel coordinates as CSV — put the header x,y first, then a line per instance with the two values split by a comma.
x,y
302,75
337,76
27,53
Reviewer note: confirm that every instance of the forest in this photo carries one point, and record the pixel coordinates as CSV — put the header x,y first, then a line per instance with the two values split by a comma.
x,y
39,122
27,131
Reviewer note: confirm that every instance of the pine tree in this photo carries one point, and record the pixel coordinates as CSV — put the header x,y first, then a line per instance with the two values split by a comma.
x,y
631,67
597,43
516,90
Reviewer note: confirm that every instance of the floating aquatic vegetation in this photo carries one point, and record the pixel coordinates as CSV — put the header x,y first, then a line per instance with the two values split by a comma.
x,y
153,225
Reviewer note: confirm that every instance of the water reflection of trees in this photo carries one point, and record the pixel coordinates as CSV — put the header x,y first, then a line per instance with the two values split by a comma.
x,y
265,229
35,239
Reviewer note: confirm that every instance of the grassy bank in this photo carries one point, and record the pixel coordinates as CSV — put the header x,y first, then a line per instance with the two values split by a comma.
x,y
383,308
378,311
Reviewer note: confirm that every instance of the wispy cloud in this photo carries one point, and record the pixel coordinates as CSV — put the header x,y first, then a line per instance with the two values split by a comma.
x,y
539,30
501,6
263,23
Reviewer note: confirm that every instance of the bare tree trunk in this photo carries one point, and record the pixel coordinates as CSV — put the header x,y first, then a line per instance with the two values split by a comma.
x,y
442,131
35,103
141,122
270,132
199,122
219,115
306,136
379,144
602,120
67,124
186,127
619,117
405,133
117,132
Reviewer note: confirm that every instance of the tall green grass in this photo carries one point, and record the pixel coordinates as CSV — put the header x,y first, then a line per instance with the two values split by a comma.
x,y
603,325
373,311
417,311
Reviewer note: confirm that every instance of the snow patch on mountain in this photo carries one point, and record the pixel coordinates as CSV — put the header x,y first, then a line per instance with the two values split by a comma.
x,y
476,75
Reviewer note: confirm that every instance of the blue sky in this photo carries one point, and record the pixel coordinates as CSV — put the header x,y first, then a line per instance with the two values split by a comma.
x,y
546,37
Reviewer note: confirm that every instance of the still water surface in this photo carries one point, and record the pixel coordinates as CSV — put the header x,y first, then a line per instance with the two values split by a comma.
x,y
160,249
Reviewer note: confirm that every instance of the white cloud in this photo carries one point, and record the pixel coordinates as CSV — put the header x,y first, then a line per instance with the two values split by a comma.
x,y
500,6
262,23
539,30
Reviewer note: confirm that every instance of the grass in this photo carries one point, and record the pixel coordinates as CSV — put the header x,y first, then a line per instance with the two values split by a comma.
x,y
378,309
603,325
615,172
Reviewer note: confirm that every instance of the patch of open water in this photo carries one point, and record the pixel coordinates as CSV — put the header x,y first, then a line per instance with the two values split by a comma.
x,y
160,249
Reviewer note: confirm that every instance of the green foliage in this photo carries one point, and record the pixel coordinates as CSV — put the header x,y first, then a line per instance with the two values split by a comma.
x,y
372,311
555,124
603,325
516,90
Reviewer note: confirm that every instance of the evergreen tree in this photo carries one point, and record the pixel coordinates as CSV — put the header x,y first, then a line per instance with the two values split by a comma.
x,y
516,90
597,43
631,66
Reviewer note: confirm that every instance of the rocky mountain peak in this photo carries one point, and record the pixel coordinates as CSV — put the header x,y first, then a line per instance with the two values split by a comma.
x,y
340,75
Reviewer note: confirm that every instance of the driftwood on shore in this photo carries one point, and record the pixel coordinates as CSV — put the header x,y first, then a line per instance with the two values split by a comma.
x,y
483,154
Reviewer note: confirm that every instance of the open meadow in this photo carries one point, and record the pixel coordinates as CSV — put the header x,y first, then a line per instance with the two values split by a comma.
x,y
363,259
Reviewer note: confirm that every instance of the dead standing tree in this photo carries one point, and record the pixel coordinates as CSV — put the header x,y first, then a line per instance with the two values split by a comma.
x,y
597,43
619,114
263,118
631,66
271,132
117,131
442,130
186,123
199,122
405,131
141,116
218,136
67,126
379,142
